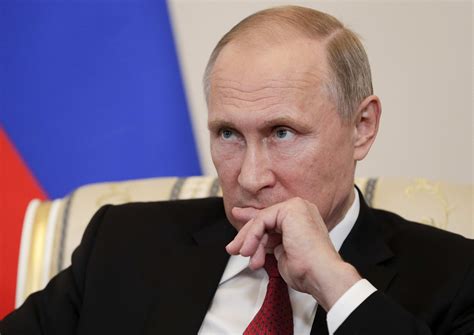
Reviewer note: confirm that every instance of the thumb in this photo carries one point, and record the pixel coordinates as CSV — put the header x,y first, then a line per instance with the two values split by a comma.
x,y
278,252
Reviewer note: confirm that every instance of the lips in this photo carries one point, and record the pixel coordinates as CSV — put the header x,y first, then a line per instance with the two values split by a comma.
x,y
257,207
251,203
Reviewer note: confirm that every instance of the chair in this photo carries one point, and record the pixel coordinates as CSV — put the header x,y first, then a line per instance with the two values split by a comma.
x,y
52,229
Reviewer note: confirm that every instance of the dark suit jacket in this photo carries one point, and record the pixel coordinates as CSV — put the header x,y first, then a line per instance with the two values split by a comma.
x,y
153,268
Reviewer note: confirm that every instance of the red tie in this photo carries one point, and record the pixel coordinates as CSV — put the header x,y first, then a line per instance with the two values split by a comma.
x,y
275,317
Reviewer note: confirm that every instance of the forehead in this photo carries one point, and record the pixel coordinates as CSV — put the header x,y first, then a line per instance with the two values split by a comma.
x,y
252,76
251,63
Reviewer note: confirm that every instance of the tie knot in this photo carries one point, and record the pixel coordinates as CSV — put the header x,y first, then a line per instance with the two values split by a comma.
x,y
271,266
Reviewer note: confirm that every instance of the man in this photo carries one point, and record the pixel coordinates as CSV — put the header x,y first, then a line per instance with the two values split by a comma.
x,y
291,111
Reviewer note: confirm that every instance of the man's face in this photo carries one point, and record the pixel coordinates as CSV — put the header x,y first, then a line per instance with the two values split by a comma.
x,y
274,132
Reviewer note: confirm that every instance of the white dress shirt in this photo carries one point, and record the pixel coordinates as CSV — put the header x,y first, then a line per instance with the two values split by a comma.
x,y
241,292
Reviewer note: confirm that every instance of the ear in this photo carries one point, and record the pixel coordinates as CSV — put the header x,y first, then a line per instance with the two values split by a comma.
x,y
366,125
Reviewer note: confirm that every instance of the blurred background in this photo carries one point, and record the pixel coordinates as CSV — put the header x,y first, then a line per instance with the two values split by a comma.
x,y
108,90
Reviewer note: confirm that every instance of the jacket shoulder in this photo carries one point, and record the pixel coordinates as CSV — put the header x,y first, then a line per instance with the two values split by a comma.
x,y
161,219
190,207
412,237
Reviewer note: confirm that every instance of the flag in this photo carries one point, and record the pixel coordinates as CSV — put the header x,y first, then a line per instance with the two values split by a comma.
x,y
90,91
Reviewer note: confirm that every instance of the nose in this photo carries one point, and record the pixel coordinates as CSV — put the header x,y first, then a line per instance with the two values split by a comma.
x,y
256,171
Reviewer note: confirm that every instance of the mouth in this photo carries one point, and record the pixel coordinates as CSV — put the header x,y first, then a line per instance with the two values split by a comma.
x,y
257,207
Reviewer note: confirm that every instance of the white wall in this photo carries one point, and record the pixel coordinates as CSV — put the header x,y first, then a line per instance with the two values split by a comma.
x,y
421,57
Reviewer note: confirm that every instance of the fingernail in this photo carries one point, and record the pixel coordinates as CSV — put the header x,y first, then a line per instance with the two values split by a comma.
x,y
229,248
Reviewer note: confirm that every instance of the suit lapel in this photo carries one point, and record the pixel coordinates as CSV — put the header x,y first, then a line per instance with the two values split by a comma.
x,y
320,326
365,248
184,291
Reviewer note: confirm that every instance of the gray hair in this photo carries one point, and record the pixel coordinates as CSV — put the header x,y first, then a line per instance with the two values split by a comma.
x,y
350,78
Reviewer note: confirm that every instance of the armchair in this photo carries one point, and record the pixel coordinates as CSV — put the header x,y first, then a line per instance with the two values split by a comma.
x,y
52,229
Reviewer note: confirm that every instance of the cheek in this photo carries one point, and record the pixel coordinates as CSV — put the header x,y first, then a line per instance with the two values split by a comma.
x,y
296,170
227,165
306,168
227,160
296,159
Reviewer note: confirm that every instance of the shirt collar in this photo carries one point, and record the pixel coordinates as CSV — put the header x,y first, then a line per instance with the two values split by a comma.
x,y
338,234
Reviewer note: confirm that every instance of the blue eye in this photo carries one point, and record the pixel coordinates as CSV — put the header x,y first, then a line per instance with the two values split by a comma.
x,y
284,134
227,134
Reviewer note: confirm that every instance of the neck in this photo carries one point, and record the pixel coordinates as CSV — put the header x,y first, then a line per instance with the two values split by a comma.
x,y
340,210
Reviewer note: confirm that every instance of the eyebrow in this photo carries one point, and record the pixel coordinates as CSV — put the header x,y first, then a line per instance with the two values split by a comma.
x,y
282,120
219,124
274,122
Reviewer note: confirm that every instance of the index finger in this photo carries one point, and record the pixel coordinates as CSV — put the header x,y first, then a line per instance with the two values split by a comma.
x,y
244,213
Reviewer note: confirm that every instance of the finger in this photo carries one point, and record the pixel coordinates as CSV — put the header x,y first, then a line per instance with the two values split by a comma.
x,y
268,215
264,222
253,238
270,218
244,213
257,260
278,252
235,245
249,237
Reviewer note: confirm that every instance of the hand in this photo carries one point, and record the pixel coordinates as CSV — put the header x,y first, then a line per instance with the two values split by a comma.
x,y
295,232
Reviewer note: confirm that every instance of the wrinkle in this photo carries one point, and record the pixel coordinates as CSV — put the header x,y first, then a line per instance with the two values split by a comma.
x,y
234,93
247,99
264,97
237,105
297,84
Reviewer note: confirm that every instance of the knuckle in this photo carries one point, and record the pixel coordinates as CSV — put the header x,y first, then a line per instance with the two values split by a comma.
x,y
293,203
298,203
297,200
